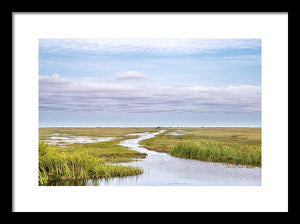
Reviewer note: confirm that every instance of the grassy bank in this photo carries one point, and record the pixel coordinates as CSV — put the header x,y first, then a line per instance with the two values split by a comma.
x,y
214,151
55,164
80,161
108,151
44,133
238,146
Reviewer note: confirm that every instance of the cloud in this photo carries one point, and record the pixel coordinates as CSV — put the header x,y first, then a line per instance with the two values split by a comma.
x,y
129,75
254,59
156,46
57,93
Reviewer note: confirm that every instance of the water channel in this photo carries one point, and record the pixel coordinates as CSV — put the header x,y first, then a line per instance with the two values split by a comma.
x,y
161,169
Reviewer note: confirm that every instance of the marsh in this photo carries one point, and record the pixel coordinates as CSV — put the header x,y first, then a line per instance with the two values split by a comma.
x,y
160,168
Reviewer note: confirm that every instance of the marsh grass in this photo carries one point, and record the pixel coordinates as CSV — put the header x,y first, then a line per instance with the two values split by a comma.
x,y
210,150
55,164
71,162
108,151
239,146
44,133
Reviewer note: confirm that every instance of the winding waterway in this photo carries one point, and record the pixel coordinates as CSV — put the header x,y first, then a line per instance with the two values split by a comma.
x,y
161,169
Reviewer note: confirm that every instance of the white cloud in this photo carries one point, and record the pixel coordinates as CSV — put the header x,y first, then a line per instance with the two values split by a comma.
x,y
145,45
131,75
56,93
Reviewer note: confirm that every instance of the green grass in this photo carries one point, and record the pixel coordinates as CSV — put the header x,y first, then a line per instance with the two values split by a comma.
x,y
75,163
239,146
108,151
78,162
210,150
44,133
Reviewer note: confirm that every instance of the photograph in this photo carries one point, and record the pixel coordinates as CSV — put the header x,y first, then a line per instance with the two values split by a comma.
x,y
149,112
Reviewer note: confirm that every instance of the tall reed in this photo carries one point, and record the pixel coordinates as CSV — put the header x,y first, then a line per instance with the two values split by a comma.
x,y
210,150
57,165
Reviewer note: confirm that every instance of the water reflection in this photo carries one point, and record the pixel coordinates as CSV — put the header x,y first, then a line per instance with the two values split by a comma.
x,y
57,139
77,182
113,181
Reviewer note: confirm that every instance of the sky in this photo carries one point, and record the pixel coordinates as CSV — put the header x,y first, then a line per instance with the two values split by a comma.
x,y
165,82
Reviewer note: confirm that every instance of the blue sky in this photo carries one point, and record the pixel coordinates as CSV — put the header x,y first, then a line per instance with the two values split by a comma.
x,y
150,82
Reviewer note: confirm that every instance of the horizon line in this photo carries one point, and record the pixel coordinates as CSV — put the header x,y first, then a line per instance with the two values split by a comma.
x,y
150,127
